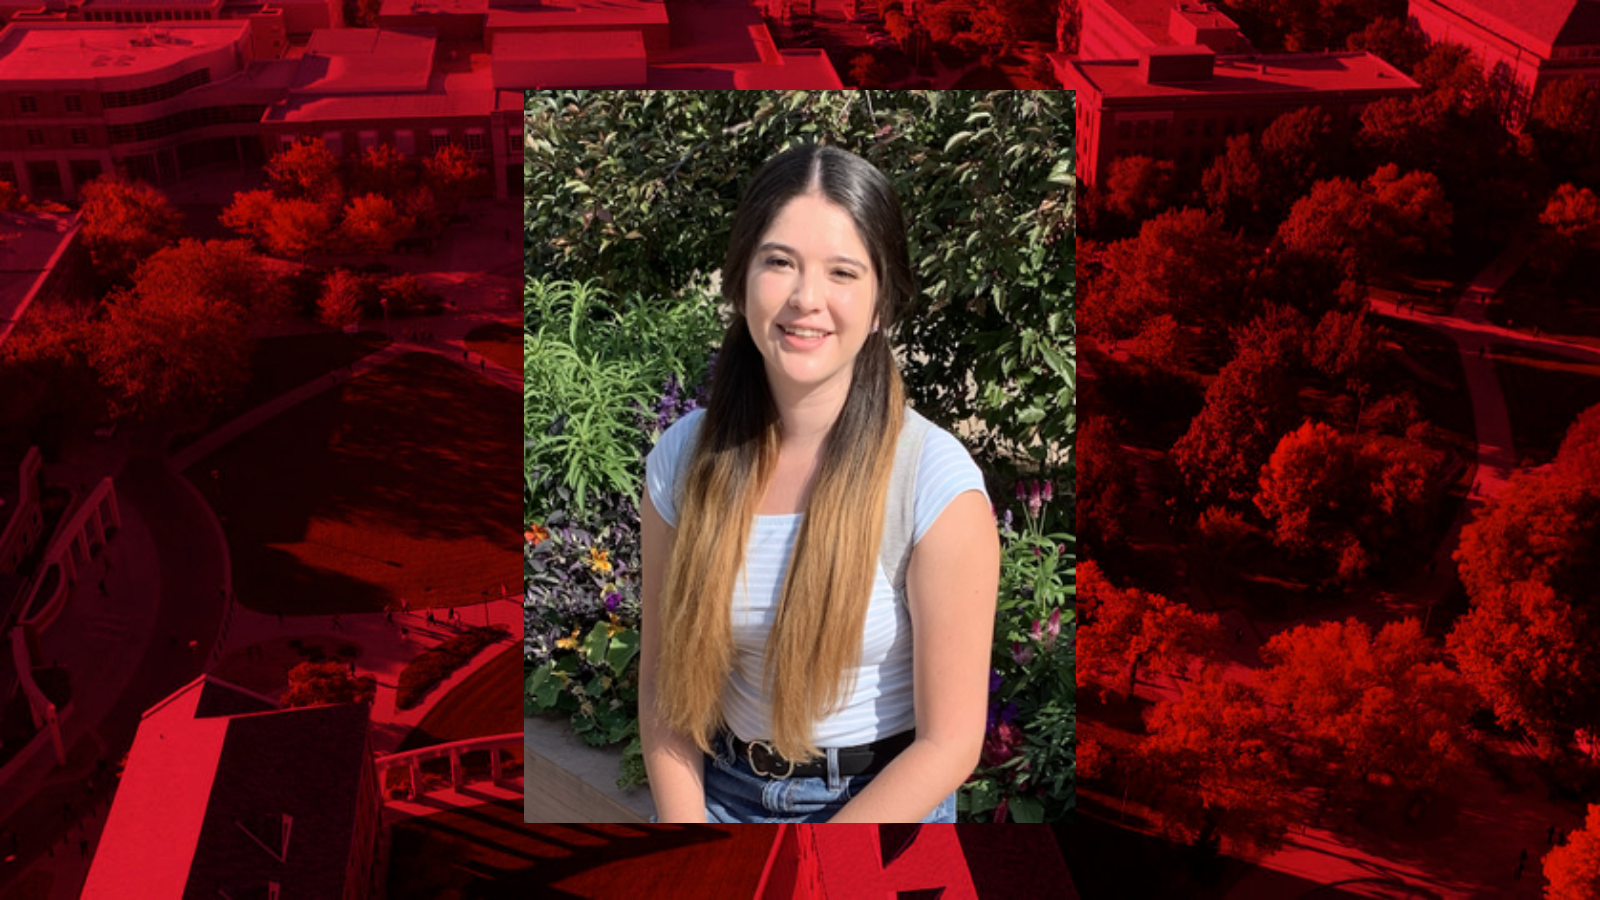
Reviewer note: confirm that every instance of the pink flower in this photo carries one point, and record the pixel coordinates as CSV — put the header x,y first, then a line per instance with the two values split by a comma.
x,y
1022,653
1047,492
1052,629
1000,812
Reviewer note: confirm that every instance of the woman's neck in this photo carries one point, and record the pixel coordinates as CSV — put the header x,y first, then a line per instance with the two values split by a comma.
x,y
805,418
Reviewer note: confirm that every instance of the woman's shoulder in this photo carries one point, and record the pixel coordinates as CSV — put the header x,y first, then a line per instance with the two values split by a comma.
x,y
679,434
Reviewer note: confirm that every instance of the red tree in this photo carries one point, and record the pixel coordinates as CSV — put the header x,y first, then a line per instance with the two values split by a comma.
x,y
1573,868
1247,407
1215,768
179,355
1181,264
1126,629
1137,187
222,270
307,170
125,221
340,303
1568,228
372,224
1530,642
1343,498
1367,704
1107,483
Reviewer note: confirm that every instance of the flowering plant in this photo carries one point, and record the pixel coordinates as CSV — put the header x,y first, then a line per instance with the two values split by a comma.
x,y
1026,770
581,620
581,604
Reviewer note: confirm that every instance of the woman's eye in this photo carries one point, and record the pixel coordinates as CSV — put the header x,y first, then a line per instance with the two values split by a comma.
x,y
777,262
843,273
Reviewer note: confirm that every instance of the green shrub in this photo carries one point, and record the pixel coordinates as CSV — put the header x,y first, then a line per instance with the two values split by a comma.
x,y
593,367
637,189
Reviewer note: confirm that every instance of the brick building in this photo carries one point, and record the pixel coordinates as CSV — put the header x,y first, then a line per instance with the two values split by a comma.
x,y
225,795
1182,103
1523,45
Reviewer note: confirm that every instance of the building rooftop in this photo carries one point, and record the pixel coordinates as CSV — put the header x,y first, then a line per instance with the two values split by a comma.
x,y
364,61
570,14
1270,73
444,95
86,5
434,7
52,51
1153,17
1539,24
224,792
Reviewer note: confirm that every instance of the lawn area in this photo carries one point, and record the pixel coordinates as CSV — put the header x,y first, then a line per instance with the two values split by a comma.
x,y
389,486
1544,394
487,851
484,704
500,342
281,364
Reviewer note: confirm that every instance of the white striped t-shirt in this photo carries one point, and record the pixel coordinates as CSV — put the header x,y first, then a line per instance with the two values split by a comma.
x,y
881,704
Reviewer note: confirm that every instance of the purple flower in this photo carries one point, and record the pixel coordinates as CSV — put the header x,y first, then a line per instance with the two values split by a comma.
x,y
1009,713
994,680
613,600
1022,491
1008,520
1035,499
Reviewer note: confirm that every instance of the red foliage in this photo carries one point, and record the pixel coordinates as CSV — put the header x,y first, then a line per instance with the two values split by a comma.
x,y
340,303
1125,629
1341,497
125,221
1248,406
372,224
1366,704
1181,264
1214,767
1573,868
1106,483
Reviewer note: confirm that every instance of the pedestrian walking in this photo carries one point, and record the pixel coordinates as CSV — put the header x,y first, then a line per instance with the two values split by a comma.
x,y
430,617
404,631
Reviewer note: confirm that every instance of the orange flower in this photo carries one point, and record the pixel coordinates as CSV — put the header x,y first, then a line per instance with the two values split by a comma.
x,y
598,561
534,534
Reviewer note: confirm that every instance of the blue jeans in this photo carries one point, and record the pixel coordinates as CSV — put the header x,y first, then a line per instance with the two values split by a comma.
x,y
735,793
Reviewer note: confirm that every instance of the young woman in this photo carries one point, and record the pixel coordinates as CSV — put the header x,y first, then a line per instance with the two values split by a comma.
x,y
820,563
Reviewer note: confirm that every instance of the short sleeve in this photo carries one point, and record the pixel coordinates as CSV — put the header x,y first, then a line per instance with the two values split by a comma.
x,y
945,471
661,464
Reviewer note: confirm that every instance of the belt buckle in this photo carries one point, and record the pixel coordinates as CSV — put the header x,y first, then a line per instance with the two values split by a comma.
x,y
767,751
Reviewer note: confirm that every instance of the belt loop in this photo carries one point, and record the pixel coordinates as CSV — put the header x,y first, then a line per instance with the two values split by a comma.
x,y
834,781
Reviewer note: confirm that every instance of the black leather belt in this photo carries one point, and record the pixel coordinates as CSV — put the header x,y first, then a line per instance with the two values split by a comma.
x,y
858,760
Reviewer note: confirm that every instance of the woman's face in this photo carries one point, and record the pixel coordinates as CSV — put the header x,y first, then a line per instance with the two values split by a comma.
x,y
810,295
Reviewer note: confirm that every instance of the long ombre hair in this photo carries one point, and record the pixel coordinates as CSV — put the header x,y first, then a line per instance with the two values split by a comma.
x,y
815,641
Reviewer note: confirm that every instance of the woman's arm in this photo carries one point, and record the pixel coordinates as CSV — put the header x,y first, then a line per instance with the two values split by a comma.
x,y
675,764
951,587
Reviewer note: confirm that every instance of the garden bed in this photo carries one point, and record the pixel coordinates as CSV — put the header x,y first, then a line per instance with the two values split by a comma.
x,y
569,781
434,665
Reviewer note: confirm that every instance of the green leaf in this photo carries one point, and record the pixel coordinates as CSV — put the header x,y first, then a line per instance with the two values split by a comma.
x,y
623,647
1062,173
956,140
1026,810
542,688
594,645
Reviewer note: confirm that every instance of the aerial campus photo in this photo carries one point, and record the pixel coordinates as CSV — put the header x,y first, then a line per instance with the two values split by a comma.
x,y
259,270
1340,401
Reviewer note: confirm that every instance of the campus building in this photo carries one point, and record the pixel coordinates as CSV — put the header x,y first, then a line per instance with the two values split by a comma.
x,y
1120,29
1523,45
225,795
1182,103
196,83
84,98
